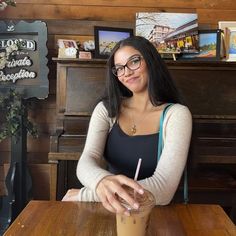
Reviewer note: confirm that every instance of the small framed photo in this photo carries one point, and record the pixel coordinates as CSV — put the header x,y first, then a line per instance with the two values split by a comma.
x,y
230,41
107,37
67,43
209,46
223,25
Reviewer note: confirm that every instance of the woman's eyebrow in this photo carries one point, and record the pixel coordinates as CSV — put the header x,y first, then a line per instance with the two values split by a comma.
x,y
135,55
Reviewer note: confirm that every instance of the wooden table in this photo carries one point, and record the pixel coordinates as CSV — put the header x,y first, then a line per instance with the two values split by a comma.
x,y
45,218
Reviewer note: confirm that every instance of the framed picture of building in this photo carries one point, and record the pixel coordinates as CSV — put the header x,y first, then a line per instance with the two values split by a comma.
x,y
169,32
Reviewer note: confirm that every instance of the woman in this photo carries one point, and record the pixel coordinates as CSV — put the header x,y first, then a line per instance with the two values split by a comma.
x,y
124,127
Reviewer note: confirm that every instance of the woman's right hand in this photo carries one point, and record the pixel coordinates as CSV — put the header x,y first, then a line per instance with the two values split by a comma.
x,y
110,187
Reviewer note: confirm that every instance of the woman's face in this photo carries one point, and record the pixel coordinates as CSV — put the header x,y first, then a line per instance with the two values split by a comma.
x,y
131,69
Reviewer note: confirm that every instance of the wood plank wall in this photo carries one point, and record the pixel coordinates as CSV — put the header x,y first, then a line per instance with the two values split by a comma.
x,y
75,20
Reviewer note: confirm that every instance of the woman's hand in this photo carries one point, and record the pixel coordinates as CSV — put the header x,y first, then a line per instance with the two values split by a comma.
x,y
71,195
110,187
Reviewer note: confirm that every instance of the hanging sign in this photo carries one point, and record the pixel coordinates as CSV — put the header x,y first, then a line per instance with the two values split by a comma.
x,y
23,61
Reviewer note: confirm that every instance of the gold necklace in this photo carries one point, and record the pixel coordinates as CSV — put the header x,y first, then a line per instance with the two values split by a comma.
x,y
133,129
134,125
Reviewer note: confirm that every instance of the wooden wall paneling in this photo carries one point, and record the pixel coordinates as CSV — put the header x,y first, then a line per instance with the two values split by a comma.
x,y
5,156
44,115
37,157
27,11
48,103
33,157
61,86
212,16
5,145
104,13
217,4
80,28
46,128
40,144
51,53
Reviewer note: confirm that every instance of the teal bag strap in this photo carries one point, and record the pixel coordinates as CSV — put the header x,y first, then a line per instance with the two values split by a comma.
x,y
160,141
160,147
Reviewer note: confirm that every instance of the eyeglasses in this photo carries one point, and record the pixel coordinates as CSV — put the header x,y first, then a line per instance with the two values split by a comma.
x,y
132,64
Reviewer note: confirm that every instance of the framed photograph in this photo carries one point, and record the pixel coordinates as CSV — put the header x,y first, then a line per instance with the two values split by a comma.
x,y
230,41
209,46
67,43
169,32
224,24
107,37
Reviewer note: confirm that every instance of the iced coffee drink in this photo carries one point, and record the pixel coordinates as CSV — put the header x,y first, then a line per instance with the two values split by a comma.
x,y
137,223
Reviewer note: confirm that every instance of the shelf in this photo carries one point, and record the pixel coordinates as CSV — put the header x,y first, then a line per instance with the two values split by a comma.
x,y
190,64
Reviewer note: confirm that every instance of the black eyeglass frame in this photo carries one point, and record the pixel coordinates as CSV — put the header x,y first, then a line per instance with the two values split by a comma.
x,y
114,68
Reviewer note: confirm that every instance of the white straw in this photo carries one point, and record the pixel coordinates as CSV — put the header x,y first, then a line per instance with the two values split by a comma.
x,y
136,174
137,169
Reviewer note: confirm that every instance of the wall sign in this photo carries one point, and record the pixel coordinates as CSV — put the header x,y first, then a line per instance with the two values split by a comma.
x,y
23,61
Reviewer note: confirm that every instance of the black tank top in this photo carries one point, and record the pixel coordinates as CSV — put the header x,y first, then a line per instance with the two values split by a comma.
x,y
123,151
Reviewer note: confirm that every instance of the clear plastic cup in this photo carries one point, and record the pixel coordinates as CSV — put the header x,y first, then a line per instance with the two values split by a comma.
x,y
137,223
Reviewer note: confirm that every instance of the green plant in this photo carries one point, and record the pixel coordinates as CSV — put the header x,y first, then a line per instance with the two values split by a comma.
x,y
13,109
5,3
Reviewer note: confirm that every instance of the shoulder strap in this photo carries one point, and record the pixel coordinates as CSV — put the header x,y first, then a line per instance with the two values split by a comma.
x,y
160,147
160,142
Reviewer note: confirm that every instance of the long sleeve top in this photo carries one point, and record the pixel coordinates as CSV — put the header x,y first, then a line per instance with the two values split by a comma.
x,y
177,129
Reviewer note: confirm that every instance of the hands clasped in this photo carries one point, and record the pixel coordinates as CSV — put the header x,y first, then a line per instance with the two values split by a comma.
x,y
111,187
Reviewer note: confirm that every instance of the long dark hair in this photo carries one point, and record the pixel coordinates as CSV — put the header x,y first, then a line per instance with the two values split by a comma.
x,y
161,88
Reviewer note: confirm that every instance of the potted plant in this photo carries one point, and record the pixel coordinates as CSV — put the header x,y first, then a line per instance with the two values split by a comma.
x,y
14,109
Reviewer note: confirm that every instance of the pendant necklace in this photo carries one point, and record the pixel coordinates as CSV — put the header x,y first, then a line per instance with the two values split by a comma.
x,y
133,129
134,125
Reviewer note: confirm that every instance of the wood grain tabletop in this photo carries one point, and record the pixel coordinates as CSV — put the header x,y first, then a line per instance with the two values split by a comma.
x,y
53,218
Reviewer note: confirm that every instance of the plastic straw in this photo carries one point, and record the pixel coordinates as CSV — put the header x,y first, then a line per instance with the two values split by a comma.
x,y
137,169
136,174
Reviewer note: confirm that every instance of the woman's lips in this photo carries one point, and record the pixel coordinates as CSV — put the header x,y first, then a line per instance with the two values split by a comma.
x,y
131,80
